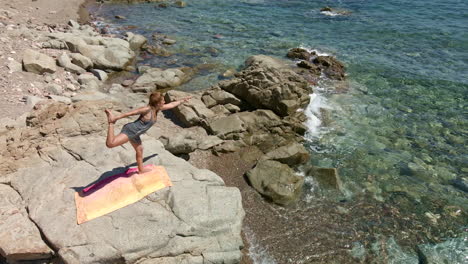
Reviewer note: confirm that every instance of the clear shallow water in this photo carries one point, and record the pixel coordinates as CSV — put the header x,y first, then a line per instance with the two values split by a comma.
x,y
402,125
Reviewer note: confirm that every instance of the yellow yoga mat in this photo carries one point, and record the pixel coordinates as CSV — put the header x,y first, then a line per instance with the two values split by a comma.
x,y
118,191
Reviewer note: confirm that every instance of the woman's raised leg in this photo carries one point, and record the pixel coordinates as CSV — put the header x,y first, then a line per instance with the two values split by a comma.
x,y
112,140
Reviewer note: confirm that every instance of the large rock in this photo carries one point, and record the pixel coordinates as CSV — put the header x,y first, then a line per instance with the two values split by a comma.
x,y
276,181
80,60
19,237
224,126
269,84
191,113
65,61
37,62
292,154
197,219
105,53
136,41
331,67
156,78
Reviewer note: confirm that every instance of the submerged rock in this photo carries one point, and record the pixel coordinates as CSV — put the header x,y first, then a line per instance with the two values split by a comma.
x,y
326,177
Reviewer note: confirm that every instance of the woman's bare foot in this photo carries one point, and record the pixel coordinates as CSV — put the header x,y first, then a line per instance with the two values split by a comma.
x,y
110,117
144,170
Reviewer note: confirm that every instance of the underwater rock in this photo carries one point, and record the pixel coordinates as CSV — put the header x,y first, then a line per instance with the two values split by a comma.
x,y
327,8
326,177
453,250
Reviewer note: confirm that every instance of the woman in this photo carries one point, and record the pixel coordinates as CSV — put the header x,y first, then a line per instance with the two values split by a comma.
x,y
132,131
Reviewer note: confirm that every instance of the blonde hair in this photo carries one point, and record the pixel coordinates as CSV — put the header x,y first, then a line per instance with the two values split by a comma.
x,y
155,99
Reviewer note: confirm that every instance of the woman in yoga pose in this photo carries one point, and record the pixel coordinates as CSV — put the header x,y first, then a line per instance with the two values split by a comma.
x,y
132,131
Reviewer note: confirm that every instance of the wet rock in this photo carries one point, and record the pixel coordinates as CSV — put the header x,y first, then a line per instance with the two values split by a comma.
x,y
326,177
276,181
445,252
229,73
268,83
292,154
37,62
461,183
65,61
120,17
180,3
168,41
331,67
299,53
327,8
157,50
19,237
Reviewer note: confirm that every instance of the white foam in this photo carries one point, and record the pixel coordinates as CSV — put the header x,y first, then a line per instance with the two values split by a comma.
x,y
329,13
310,50
313,123
257,253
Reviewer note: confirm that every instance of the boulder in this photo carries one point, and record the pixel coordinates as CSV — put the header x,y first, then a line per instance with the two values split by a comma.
x,y
19,237
218,96
179,143
80,60
299,53
73,24
65,61
224,126
169,41
268,84
179,3
136,41
276,181
191,113
100,74
161,79
292,154
331,67
37,62
89,81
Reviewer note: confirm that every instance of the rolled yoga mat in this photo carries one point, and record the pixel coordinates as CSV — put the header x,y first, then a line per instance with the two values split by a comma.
x,y
118,191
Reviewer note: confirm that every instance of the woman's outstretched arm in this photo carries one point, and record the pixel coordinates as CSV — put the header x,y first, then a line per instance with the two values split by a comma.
x,y
175,103
139,111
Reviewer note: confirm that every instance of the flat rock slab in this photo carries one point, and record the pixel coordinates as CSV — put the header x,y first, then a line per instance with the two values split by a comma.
x,y
19,237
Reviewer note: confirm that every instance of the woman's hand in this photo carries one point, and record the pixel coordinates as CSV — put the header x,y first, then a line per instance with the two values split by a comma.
x,y
186,99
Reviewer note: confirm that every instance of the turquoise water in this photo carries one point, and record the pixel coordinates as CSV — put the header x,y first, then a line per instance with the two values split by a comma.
x,y
400,127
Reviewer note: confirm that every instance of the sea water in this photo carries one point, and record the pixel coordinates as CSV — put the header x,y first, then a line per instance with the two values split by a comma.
x,y
400,126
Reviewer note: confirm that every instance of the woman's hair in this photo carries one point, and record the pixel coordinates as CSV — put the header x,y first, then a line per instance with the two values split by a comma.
x,y
155,99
